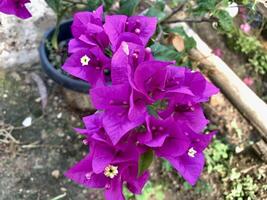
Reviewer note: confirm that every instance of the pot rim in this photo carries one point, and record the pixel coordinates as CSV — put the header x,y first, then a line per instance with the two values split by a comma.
x,y
52,72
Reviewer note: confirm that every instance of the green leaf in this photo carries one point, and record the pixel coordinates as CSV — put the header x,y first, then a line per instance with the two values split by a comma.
x,y
128,7
152,111
107,4
157,10
154,12
166,53
204,6
93,4
166,165
145,161
54,4
225,20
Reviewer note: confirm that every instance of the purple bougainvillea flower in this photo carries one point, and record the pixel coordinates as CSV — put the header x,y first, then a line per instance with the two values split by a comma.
x,y
191,114
190,164
177,89
193,84
94,129
126,59
15,7
108,167
116,102
141,26
88,32
90,65
164,137
143,104
150,77
82,20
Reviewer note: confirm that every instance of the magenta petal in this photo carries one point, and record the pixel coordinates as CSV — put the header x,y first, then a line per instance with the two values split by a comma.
x,y
117,126
137,108
136,184
98,13
114,191
210,90
119,63
74,67
190,168
81,21
157,141
114,26
75,45
78,174
102,157
195,119
110,96
147,26
173,147
93,122
129,38
93,28
79,24
201,141
82,131
147,73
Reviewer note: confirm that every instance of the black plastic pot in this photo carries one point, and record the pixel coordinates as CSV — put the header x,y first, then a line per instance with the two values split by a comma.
x,y
52,72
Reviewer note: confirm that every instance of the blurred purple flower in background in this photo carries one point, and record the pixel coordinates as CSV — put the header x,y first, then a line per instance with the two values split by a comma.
x,y
218,52
245,27
248,81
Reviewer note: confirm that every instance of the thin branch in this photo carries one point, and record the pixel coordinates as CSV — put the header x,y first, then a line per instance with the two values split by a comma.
x,y
159,34
198,20
176,10
76,3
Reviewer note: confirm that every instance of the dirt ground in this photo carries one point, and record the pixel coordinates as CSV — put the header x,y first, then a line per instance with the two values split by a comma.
x,y
34,158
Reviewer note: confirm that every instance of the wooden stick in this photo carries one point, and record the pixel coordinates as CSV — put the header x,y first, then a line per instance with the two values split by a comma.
x,y
241,96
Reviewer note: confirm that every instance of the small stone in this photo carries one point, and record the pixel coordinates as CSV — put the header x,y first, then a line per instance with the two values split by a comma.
x,y
84,191
55,174
27,122
59,115
239,149
62,189
37,100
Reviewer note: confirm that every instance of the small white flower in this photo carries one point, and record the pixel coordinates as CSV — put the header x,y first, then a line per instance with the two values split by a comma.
x,y
192,152
111,171
85,60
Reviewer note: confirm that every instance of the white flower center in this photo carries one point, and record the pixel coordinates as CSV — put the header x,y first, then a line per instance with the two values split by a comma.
x,y
111,171
85,60
192,152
